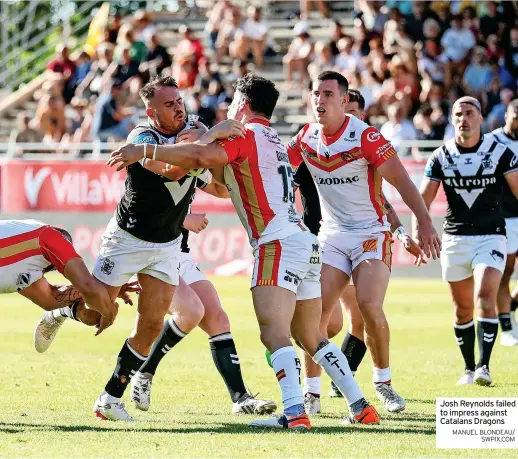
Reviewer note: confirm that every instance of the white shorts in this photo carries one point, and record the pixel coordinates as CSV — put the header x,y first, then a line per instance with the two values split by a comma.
x,y
189,270
293,263
346,250
511,229
123,255
460,255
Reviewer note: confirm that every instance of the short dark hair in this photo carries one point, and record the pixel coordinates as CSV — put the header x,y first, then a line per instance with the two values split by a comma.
x,y
148,91
260,93
356,96
329,75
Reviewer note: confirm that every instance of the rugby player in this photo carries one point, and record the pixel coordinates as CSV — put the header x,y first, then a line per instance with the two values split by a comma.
x,y
353,345
508,135
254,165
28,250
348,160
472,169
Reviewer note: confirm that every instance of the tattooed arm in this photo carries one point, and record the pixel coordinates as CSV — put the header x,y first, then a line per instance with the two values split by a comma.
x,y
392,216
49,296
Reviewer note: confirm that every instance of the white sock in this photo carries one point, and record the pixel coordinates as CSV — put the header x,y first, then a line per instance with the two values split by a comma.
x,y
380,375
63,312
335,364
286,365
312,385
107,398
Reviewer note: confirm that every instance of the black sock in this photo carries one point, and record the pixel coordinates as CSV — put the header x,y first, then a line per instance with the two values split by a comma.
x,y
465,336
128,363
171,335
487,329
354,349
225,358
514,305
505,322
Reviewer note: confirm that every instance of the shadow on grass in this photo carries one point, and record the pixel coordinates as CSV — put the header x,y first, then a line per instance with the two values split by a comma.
x,y
417,400
223,428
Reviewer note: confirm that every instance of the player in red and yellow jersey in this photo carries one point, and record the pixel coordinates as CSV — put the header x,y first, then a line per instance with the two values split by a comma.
x,y
254,165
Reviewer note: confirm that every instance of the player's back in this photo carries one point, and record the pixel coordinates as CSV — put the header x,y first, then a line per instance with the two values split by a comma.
x,y
260,182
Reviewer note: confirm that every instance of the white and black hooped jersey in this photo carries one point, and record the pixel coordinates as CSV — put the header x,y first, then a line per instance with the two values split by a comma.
x,y
473,180
153,207
201,182
509,202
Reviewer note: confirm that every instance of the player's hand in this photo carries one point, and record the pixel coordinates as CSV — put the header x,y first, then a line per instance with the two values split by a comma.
x,y
412,247
191,135
106,321
428,239
126,156
195,222
126,289
222,130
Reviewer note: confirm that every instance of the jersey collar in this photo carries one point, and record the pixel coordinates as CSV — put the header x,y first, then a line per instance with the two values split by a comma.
x,y
259,121
328,140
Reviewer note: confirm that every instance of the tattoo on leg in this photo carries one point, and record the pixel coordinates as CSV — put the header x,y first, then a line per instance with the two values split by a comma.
x,y
322,345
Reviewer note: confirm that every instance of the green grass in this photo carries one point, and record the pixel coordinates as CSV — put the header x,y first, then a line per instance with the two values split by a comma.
x,y
46,399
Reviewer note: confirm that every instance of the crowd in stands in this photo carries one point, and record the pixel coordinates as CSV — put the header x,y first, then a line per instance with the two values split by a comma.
x,y
409,59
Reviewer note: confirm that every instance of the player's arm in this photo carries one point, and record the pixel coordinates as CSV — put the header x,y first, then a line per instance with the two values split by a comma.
x,y
382,155
216,189
205,153
398,230
195,222
509,163
48,296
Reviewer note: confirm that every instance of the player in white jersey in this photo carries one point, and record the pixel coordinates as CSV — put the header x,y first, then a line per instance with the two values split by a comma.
x,y
508,135
286,279
348,159
28,250
472,169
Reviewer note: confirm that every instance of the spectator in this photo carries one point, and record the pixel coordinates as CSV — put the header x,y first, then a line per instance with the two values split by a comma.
x,y
402,87
492,22
372,16
493,48
251,38
83,66
336,33
296,60
216,19
207,74
478,73
113,27
187,57
239,69
306,6
491,97
429,67
227,32
429,128
50,117
404,6
496,117
221,113
207,114
92,85
323,59
348,60
432,31
65,68
502,74
144,28
112,121
25,132
398,129
126,39
470,20
126,71
511,57
157,59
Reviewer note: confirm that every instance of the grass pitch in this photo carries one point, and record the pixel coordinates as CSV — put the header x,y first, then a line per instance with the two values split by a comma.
x,y
46,399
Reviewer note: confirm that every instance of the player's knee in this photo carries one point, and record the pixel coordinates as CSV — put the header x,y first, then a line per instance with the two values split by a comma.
x,y
486,299
273,338
149,329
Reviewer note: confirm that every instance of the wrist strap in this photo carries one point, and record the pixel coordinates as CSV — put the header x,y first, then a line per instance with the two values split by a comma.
x,y
145,148
400,232
154,152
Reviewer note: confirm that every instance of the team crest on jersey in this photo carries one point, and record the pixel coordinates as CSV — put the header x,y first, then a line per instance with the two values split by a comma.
x,y
370,246
487,163
23,281
373,136
107,266
351,155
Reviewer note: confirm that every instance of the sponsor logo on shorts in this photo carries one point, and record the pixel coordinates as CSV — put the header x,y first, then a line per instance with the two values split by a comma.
x,y
497,256
107,266
315,257
370,246
292,278
23,281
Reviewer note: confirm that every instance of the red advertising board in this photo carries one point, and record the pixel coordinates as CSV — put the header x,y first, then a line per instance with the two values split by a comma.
x,y
91,186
